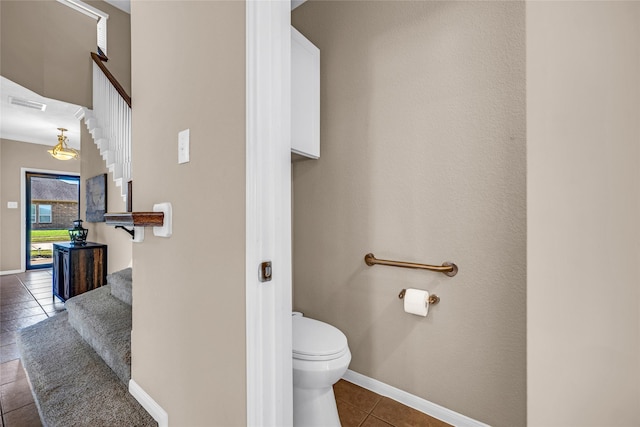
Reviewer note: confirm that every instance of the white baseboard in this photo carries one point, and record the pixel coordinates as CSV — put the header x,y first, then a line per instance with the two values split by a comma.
x,y
412,401
155,410
4,273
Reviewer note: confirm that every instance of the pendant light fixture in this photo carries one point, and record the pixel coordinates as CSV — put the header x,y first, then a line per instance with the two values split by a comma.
x,y
61,151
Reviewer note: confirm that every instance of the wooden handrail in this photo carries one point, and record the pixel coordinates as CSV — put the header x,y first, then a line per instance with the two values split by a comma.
x,y
99,59
135,219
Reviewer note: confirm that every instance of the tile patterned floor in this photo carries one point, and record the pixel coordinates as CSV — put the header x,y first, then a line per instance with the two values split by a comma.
x,y
359,407
25,299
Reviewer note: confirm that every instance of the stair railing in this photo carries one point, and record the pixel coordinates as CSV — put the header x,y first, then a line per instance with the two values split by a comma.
x,y
110,122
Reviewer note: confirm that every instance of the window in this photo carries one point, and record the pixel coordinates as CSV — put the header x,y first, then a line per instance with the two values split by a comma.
x,y
33,214
44,214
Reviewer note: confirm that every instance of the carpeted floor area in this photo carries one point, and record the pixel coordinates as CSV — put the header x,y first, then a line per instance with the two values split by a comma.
x,y
73,385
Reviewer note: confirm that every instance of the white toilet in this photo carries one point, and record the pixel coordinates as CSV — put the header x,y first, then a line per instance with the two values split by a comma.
x,y
320,358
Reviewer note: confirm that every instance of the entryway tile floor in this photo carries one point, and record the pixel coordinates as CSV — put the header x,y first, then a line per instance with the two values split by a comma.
x,y
27,298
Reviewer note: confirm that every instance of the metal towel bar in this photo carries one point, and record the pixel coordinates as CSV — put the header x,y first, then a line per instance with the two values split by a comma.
x,y
447,268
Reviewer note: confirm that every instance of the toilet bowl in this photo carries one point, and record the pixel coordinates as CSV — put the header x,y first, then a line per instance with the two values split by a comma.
x,y
320,357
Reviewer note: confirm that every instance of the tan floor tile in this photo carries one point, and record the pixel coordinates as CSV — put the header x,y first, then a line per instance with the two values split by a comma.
x,y
42,279
19,305
13,292
53,306
9,352
22,322
17,314
45,290
34,275
37,282
46,298
16,299
354,395
10,286
15,395
5,280
7,338
399,415
53,311
372,421
350,416
11,371
437,423
27,416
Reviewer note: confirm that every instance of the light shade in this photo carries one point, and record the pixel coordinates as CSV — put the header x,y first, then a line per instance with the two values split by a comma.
x,y
61,151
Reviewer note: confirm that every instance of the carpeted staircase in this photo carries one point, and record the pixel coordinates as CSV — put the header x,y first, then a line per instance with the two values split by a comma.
x,y
79,361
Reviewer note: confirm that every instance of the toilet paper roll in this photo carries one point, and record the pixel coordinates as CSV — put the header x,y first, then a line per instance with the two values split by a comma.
x,y
416,301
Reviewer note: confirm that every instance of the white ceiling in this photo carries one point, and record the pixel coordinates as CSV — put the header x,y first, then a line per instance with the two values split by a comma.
x,y
123,5
38,127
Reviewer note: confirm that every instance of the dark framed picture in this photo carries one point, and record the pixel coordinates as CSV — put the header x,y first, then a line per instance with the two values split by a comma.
x,y
96,198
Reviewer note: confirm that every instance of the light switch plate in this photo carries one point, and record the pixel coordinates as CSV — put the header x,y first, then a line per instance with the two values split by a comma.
x,y
12,205
183,146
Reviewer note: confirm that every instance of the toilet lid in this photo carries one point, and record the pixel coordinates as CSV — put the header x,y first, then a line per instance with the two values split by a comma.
x,y
315,340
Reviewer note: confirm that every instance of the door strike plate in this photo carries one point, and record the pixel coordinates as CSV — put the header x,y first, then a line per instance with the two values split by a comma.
x,y
265,271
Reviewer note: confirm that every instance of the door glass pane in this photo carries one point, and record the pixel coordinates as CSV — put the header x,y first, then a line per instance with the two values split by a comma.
x,y
54,201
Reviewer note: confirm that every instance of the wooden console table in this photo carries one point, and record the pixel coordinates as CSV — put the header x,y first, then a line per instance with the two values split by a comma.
x,y
78,269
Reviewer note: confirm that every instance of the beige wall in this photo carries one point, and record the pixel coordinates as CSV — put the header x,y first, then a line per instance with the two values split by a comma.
x,y
423,159
583,161
45,46
15,155
118,242
188,340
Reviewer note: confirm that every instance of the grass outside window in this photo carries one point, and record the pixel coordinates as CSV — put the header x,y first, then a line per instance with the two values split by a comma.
x,y
47,236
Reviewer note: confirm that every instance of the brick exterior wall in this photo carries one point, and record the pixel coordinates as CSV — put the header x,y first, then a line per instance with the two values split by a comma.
x,y
62,215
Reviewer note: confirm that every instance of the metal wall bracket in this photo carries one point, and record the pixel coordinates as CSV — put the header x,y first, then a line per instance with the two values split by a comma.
x,y
136,233
131,232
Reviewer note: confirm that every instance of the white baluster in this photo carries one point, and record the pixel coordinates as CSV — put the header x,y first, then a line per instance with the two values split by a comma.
x,y
110,126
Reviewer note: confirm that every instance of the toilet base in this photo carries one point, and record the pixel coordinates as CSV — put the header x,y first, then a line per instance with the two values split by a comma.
x,y
315,407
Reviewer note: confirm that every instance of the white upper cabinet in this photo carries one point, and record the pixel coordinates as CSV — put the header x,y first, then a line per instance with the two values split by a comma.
x,y
305,96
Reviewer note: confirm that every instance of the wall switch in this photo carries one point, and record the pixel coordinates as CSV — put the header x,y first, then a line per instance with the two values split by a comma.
x,y
183,146
12,205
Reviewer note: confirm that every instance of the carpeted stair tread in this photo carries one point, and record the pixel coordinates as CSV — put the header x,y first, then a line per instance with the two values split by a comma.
x,y
121,284
71,384
105,324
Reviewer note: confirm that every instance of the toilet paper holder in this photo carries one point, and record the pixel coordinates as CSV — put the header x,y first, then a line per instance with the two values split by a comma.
x,y
433,299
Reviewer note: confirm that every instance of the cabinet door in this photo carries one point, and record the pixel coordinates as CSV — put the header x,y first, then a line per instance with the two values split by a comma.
x,y
88,269
67,277
58,272
305,96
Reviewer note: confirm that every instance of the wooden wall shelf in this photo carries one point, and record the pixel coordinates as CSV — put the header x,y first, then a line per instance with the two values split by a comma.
x,y
135,219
